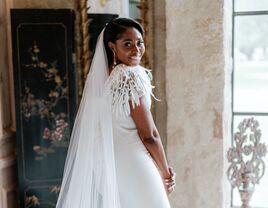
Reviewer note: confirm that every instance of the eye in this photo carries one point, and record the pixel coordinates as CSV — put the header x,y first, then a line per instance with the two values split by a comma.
x,y
127,44
140,43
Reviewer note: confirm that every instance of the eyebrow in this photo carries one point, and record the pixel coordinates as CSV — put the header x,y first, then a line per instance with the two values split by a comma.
x,y
127,40
131,40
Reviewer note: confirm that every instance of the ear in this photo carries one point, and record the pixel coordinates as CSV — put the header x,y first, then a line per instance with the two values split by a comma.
x,y
111,46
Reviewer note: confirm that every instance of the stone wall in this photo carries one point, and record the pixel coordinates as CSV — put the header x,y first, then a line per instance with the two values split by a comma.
x,y
8,177
120,7
227,118
197,116
159,65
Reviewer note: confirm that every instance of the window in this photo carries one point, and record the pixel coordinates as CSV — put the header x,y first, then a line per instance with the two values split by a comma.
x,y
134,12
250,78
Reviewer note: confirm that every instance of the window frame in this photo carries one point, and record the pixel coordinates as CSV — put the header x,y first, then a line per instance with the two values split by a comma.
x,y
236,14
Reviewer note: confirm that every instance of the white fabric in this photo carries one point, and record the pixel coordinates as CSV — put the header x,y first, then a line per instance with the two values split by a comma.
x,y
89,179
124,84
140,184
105,145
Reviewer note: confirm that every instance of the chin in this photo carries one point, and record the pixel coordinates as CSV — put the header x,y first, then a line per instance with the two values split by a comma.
x,y
133,63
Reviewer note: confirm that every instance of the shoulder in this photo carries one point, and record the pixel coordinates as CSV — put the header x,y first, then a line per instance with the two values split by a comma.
x,y
127,78
124,70
124,73
127,83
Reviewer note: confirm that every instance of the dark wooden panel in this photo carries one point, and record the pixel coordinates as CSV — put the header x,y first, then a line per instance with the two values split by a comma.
x,y
45,94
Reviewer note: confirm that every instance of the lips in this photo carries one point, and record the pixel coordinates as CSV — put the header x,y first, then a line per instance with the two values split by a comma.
x,y
135,57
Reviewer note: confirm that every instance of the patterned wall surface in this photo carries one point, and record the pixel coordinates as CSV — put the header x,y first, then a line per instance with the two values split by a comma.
x,y
45,94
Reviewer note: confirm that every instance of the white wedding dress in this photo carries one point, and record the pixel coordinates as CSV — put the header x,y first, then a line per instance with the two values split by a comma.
x,y
139,182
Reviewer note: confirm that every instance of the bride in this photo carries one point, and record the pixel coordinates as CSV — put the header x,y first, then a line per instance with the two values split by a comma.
x,y
116,158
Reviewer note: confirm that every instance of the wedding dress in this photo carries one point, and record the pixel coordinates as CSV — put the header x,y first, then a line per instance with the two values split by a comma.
x,y
107,165
139,182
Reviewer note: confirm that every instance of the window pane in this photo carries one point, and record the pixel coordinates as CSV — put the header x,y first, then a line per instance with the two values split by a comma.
x,y
251,64
250,5
134,12
259,198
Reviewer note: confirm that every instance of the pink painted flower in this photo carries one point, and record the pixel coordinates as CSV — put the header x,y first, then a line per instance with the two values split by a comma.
x,y
36,148
46,133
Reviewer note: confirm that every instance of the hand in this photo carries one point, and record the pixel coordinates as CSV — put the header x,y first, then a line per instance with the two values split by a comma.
x,y
170,182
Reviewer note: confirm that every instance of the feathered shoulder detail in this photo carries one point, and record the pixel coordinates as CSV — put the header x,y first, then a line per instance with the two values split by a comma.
x,y
128,83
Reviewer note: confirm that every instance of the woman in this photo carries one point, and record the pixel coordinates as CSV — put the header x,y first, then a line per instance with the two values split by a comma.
x,y
116,158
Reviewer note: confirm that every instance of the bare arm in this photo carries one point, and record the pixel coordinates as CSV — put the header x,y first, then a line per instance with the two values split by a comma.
x,y
149,136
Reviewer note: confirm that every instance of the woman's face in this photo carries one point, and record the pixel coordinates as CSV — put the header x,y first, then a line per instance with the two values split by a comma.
x,y
129,48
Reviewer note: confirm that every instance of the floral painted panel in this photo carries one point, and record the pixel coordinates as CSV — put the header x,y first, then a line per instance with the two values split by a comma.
x,y
45,95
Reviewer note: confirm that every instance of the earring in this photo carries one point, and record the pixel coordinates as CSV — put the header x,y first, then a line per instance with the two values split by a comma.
x,y
114,60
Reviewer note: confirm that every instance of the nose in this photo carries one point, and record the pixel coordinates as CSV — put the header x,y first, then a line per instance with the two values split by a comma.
x,y
136,49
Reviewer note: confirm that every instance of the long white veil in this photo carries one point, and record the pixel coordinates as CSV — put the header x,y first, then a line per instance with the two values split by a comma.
x,y
89,179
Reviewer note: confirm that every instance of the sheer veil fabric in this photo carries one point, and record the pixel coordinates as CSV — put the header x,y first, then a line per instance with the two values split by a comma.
x,y
89,178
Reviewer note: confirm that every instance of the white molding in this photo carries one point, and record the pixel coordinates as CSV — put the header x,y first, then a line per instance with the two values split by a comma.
x,y
6,137
4,195
7,145
7,161
12,125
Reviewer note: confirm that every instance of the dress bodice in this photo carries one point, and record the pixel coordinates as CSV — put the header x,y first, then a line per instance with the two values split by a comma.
x,y
126,84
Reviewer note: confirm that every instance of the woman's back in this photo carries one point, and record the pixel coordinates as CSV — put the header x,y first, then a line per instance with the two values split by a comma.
x,y
139,182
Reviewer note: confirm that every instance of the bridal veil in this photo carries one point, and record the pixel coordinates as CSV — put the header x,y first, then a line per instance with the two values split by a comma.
x,y
89,179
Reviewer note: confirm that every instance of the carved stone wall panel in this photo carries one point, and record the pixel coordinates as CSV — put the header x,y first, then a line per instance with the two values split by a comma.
x,y
8,171
8,182
10,197
4,64
7,145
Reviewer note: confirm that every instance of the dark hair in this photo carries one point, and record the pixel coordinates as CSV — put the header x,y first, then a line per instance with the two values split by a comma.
x,y
114,30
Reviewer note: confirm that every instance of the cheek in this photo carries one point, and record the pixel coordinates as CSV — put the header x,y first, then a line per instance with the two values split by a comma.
x,y
142,50
122,55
